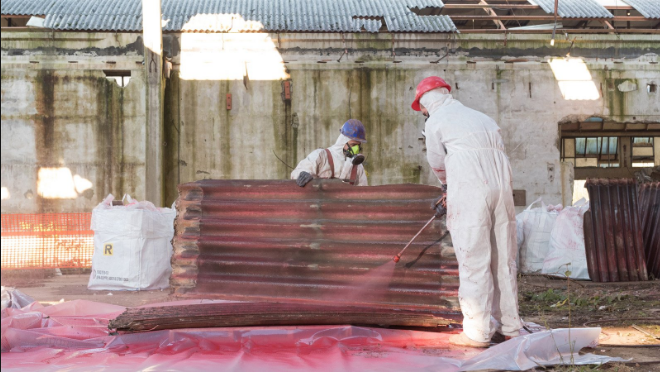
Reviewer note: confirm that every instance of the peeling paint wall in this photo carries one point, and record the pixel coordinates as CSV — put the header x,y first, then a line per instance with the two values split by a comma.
x,y
205,140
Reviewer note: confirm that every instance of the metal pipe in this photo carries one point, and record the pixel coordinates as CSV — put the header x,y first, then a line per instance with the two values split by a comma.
x,y
398,256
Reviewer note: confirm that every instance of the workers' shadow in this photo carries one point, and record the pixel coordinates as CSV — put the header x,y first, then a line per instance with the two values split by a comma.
x,y
421,254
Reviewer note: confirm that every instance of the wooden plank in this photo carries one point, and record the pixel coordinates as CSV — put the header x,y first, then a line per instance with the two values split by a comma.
x,y
499,23
482,6
244,314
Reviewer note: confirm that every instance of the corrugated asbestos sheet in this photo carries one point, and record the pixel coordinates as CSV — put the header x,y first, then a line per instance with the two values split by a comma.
x,y
613,232
574,8
238,15
649,208
27,7
648,8
324,243
249,314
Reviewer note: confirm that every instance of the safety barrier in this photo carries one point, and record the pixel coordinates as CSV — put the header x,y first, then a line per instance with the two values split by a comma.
x,y
48,240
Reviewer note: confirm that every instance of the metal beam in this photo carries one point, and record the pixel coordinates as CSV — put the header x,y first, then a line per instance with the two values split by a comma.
x,y
480,5
544,18
499,23
563,30
607,24
613,133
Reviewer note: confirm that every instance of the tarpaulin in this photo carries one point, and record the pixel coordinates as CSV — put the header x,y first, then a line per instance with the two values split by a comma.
x,y
73,336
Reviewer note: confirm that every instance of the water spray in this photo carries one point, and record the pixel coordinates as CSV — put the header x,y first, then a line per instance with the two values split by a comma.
x,y
398,256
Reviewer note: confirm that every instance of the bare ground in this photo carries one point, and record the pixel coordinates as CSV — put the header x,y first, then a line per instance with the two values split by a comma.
x,y
629,314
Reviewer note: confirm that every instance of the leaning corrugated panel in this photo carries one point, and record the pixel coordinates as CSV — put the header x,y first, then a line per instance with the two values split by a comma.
x,y
649,205
613,232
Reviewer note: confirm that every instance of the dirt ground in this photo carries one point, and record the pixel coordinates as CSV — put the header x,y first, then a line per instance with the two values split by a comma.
x,y
629,313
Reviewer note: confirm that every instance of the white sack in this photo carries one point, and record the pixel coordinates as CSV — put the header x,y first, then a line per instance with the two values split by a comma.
x,y
566,251
132,246
537,225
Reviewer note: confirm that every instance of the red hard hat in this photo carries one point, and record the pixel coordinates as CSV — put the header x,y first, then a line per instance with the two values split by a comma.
x,y
430,83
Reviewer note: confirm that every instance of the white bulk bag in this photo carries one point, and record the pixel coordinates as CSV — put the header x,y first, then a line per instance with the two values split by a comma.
x,y
567,251
132,246
537,224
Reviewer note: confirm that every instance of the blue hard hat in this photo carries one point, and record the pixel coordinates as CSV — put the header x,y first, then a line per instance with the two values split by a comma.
x,y
354,130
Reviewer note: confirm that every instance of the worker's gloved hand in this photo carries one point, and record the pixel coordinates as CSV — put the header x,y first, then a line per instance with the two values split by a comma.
x,y
304,178
439,205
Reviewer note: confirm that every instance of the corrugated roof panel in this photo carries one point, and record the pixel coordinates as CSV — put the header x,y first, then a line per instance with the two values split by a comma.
x,y
27,7
274,241
237,15
574,8
648,8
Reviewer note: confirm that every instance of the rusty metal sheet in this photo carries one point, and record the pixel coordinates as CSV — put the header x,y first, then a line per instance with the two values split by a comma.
x,y
613,232
649,208
242,314
324,243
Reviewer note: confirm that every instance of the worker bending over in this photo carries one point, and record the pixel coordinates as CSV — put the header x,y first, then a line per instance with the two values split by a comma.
x,y
466,152
338,160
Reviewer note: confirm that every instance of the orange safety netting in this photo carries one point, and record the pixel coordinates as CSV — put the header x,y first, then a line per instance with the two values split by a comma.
x,y
48,240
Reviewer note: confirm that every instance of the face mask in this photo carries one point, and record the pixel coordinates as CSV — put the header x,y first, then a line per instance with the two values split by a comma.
x,y
352,150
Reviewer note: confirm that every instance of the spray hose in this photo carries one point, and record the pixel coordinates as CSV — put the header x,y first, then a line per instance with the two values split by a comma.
x,y
398,256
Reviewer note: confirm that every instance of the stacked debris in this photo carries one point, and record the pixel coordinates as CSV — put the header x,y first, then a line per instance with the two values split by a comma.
x,y
649,207
613,232
328,242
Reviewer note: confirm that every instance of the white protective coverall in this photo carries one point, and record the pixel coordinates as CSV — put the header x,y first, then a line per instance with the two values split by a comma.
x,y
316,164
466,151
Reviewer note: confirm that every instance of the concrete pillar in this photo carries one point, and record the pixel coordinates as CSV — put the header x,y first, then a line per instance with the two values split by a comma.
x,y
155,95
567,179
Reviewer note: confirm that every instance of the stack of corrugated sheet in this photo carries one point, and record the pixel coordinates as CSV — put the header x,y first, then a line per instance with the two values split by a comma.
x,y
649,205
325,243
613,232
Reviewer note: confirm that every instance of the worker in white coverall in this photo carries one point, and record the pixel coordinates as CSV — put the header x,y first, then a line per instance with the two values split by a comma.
x,y
337,161
466,152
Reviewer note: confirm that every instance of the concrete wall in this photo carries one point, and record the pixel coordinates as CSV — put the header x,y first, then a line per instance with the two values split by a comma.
x,y
70,136
205,140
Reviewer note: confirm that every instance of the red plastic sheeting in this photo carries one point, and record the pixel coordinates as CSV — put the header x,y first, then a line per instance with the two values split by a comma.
x,y
272,241
47,240
73,336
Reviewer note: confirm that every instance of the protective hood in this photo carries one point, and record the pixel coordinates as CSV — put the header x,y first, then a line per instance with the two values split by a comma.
x,y
342,163
436,98
338,147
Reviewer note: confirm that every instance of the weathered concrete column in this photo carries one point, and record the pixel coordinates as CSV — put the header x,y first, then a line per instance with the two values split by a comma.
x,y
155,92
